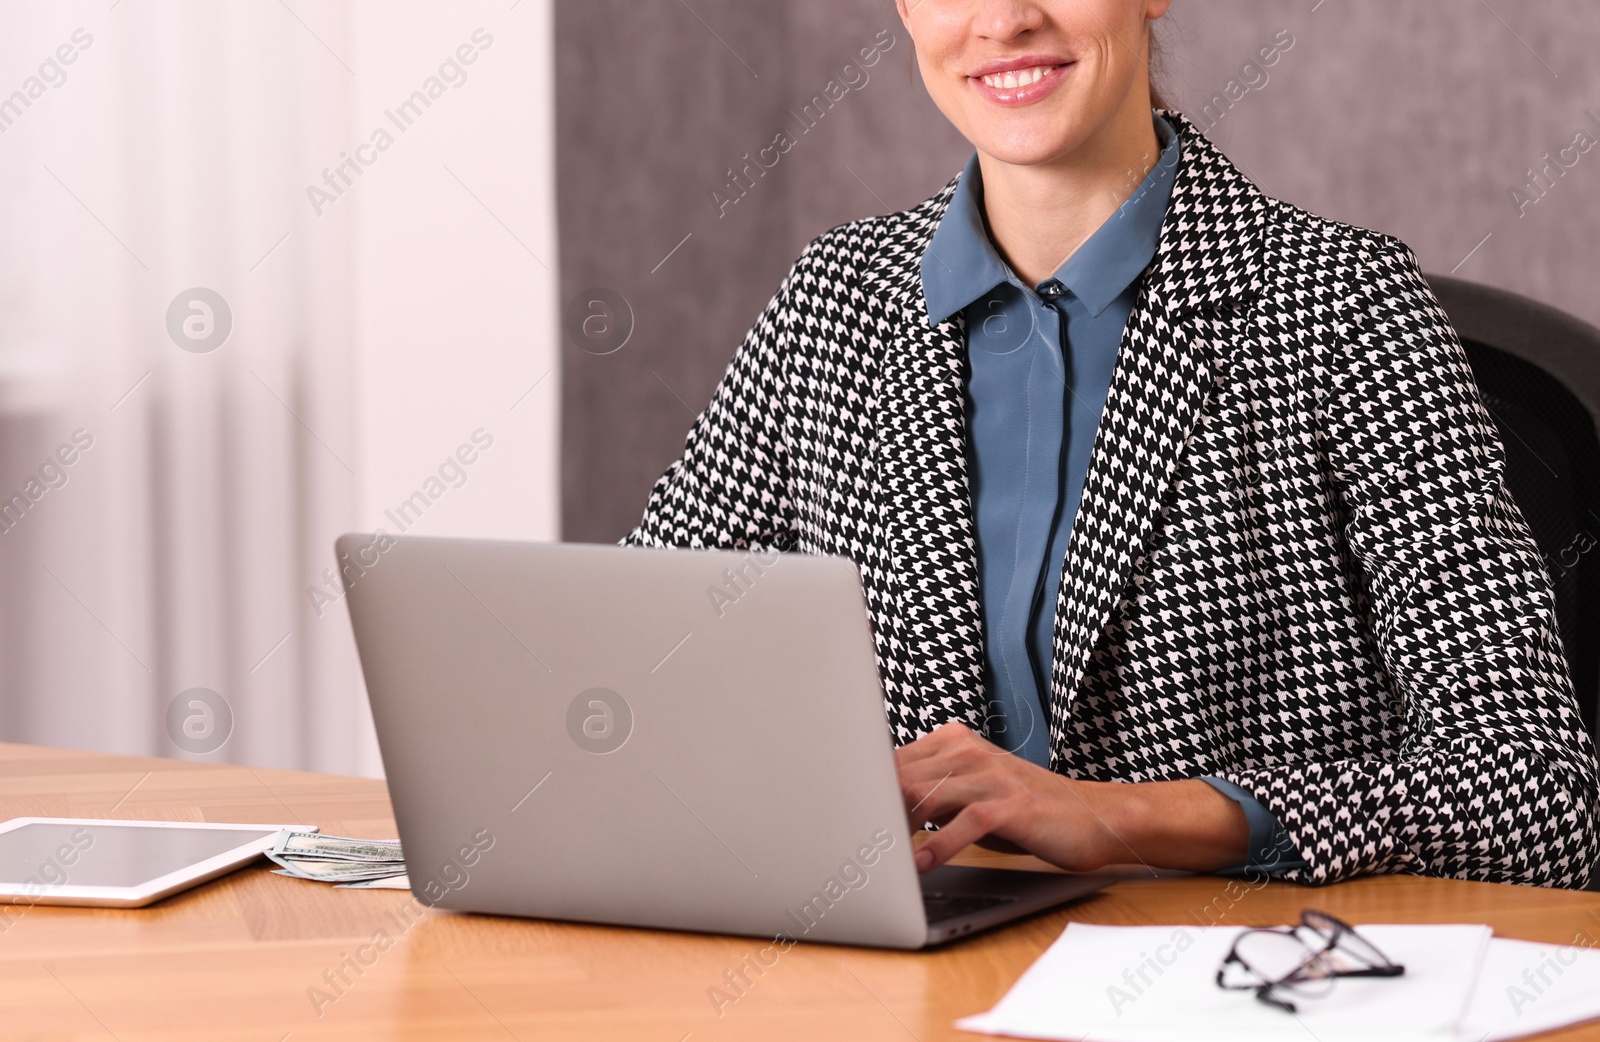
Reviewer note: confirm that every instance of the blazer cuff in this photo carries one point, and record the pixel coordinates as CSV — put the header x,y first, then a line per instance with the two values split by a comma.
x,y
1271,849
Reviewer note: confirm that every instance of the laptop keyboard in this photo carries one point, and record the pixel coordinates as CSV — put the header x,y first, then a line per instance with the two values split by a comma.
x,y
943,907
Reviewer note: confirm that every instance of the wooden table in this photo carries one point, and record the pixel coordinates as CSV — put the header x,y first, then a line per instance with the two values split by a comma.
x,y
256,956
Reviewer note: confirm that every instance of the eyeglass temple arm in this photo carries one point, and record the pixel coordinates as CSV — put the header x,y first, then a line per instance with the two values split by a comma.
x,y
1394,970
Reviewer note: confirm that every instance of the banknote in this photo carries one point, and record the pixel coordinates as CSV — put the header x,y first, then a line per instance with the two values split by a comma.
x,y
336,848
333,871
399,882
340,860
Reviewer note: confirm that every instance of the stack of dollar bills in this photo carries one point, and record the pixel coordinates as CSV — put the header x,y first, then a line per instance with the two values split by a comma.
x,y
364,864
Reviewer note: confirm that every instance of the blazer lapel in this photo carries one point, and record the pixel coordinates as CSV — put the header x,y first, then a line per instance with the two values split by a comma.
x,y
1167,365
920,418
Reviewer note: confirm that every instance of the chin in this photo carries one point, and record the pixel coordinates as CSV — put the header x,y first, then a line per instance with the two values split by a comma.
x,y
1028,147
1038,137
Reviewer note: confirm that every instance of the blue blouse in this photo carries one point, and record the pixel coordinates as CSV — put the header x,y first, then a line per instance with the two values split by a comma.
x,y
1040,363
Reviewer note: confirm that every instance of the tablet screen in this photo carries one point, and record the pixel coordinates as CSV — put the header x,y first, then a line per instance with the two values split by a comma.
x,y
67,854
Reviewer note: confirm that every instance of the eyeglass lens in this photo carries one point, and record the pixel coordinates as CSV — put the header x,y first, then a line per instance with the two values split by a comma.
x,y
1348,940
1280,958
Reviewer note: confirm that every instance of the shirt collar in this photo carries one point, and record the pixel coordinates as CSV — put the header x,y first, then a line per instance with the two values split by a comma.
x,y
961,264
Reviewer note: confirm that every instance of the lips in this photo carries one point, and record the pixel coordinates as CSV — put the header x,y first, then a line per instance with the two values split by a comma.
x,y
1019,81
1019,78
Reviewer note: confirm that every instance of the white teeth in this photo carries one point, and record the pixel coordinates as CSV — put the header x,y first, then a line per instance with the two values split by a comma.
x,y
1013,80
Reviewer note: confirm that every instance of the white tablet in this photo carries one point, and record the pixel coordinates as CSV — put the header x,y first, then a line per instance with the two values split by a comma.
x,y
118,864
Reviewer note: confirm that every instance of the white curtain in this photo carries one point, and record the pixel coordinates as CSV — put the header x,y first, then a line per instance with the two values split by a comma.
x,y
170,503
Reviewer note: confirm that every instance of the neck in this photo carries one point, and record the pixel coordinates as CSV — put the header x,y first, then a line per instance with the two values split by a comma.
x,y
1041,213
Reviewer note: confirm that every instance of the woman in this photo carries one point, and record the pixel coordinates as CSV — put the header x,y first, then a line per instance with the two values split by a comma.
x,y
1179,518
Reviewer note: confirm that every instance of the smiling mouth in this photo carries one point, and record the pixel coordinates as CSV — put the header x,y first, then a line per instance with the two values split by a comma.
x,y
1018,77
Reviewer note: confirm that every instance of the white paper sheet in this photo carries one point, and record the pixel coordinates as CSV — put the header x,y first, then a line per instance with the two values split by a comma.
x,y
1526,987
1158,984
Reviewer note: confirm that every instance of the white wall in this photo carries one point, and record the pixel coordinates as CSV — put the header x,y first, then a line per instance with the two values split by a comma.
x,y
367,342
456,289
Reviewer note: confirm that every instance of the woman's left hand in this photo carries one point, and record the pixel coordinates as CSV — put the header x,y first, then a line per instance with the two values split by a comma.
x,y
975,790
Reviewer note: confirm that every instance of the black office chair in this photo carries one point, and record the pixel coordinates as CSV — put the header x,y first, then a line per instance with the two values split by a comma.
x,y
1539,372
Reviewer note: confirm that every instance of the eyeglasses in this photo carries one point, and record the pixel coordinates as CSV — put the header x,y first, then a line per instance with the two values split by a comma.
x,y
1301,960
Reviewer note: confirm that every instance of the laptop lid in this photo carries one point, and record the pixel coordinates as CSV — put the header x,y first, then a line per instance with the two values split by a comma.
x,y
693,740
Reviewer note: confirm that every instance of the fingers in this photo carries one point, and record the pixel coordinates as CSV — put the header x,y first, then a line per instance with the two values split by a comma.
x,y
971,825
926,799
939,794
940,739
952,746
952,777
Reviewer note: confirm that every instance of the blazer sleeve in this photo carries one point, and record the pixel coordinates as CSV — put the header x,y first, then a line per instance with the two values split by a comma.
x,y
730,488
1494,777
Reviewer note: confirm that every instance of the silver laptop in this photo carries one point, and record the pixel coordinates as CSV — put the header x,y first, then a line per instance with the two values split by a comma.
x,y
685,739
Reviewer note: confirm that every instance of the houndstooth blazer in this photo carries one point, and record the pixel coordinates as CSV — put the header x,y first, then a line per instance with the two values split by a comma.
x,y
1295,565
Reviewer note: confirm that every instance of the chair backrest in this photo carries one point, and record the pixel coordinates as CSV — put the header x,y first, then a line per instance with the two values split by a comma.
x,y
1539,373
